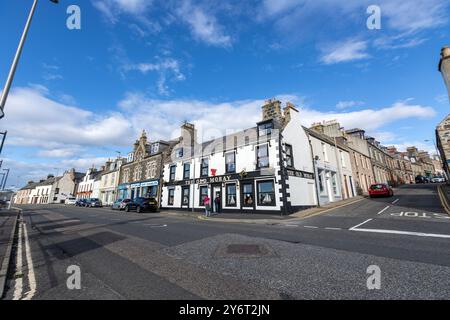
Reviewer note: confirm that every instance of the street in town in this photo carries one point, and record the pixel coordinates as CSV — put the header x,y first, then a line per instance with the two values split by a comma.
x,y
169,256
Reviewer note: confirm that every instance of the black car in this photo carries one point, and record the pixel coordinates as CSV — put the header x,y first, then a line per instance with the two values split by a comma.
x,y
81,203
142,204
422,179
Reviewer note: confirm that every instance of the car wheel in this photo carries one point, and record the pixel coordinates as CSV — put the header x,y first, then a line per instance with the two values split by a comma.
x,y
127,208
138,209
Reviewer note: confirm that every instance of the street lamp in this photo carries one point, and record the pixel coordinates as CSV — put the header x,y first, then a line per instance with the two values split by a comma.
x,y
3,140
12,71
6,178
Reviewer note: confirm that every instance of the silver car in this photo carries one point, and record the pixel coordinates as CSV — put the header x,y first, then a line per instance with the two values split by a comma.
x,y
120,204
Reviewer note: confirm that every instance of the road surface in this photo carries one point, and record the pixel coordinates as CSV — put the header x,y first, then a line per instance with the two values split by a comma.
x,y
155,256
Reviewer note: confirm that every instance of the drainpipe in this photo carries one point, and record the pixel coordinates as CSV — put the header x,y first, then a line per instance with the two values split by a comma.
x,y
339,164
161,178
315,172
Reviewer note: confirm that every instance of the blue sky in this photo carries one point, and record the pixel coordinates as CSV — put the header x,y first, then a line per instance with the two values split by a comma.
x,y
81,95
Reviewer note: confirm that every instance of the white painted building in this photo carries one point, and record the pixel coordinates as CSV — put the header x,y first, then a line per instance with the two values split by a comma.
x,y
264,169
89,186
43,191
333,168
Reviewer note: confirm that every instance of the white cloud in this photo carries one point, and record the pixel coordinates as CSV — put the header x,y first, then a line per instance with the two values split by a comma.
x,y
33,119
58,153
203,24
442,98
69,134
371,119
112,9
348,50
348,104
416,15
167,68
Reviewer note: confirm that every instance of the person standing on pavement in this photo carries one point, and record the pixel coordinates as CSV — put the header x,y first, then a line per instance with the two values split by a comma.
x,y
207,203
217,203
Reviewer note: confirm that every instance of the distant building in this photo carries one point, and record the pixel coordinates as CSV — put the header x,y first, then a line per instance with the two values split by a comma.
x,y
110,180
66,186
141,175
23,195
333,164
89,185
444,66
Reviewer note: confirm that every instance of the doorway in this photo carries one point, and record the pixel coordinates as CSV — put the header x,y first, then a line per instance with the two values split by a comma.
x,y
216,190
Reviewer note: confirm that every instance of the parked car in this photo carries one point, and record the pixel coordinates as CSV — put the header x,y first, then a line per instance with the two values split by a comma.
x,y
81,203
120,204
422,179
93,202
437,179
71,201
142,204
380,189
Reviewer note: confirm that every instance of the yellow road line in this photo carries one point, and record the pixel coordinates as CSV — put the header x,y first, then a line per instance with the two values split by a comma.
x,y
330,209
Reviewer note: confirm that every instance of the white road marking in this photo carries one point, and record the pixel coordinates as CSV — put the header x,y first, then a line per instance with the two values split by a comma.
x,y
358,225
420,234
395,201
155,225
333,228
384,210
312,227
31,278
290,225
18,287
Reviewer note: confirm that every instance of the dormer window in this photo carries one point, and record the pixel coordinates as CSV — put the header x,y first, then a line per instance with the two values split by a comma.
x,y
265,128
155,148
179,153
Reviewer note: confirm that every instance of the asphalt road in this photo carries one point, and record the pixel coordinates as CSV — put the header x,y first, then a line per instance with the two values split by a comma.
x,y
155,256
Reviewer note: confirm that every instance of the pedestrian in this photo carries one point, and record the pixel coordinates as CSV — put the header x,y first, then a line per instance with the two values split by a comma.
x,y
217,203
207,203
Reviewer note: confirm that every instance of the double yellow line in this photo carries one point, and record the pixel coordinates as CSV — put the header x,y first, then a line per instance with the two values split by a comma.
x,y
444,201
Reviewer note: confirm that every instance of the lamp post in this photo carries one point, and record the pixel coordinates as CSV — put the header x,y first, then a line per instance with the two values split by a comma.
x,y
12,71
3,140
6,178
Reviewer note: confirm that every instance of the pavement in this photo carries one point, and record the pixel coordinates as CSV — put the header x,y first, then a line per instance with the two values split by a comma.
x,y
444,194
269,219
172,257
7,226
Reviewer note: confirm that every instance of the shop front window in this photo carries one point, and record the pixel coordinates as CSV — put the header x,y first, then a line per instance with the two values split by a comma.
x,y
203,194
321,182
171,197
231,195
185,196
266,193
334,183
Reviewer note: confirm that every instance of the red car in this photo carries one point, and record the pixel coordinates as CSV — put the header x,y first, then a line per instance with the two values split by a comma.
x,y
380,189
